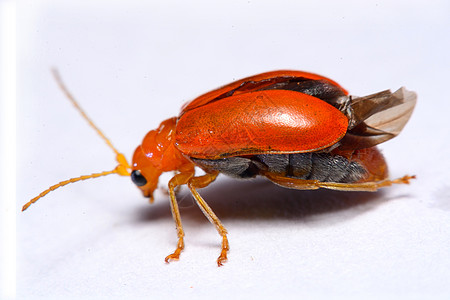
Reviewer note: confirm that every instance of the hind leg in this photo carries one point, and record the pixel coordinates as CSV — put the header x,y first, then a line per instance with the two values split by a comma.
x,y
300,184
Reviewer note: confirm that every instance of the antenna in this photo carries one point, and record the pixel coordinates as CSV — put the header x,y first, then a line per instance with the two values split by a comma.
x,y
122,168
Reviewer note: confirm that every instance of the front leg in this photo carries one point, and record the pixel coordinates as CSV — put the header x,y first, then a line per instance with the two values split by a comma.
x,y
176,181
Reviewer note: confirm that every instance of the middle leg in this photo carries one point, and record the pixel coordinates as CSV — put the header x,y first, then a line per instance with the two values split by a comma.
x,y
200,182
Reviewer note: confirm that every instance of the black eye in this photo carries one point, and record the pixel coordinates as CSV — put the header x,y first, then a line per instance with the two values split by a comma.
x,y
138,178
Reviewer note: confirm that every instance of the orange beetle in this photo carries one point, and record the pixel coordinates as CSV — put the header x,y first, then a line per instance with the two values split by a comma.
x,y
298,129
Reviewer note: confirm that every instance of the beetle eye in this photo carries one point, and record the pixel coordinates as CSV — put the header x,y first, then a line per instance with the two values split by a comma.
x,y
138,178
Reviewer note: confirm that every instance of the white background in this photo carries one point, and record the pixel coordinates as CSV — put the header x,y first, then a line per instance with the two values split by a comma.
x,y
132,65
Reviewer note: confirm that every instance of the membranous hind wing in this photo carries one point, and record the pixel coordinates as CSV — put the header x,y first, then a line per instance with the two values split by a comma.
x,y
377,118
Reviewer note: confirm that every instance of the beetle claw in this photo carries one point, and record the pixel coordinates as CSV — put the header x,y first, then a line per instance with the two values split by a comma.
x,y
223,254
173,256
222,258
176,254
405,179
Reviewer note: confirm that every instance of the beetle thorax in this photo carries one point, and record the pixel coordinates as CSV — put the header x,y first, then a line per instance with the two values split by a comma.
x,y
158,154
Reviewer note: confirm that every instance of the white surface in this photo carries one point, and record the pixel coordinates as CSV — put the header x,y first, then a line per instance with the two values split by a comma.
x,y
132,65
8,136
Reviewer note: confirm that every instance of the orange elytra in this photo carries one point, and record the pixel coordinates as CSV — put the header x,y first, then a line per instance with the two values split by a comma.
x,y
300,130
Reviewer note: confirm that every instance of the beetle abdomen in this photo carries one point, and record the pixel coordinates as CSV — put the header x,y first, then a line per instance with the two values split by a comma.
x,y
324,167
236,166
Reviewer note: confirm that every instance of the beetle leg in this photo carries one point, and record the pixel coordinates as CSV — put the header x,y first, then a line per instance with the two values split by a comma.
x,y
371,186
200,182
166,191
176,181
300,184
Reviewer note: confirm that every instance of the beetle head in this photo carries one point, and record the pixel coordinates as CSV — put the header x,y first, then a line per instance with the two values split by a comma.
x,y
156,154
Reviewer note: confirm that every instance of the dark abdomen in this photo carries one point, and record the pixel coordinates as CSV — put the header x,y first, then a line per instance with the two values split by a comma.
x,y
336,166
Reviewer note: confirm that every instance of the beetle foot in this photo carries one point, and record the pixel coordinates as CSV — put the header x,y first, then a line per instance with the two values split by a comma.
x,y
176,254
223,254
404,180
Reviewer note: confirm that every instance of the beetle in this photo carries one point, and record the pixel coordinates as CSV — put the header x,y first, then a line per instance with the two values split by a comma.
x,y
299,130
